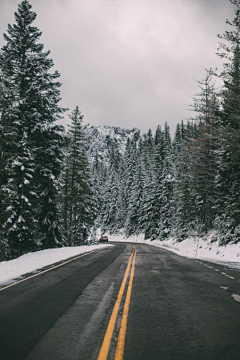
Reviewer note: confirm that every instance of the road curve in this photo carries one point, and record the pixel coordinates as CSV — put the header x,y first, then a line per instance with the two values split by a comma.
x,y
169,307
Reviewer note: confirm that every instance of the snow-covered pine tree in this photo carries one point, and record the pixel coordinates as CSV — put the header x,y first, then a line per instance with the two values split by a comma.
x,y
135,190
152,163
108,204
184,191
203,152
133,225
156,186
32,169
178,141
113,207
228,219
79,214
147,211
8,147
158,136
98,179
129,170
165,181
147,170
156,212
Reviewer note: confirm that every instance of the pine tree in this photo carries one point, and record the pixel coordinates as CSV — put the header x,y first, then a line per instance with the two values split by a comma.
x,y
97,171
164,170
114,207
203,150
8,147
133,222
168,183
29,110
228,218
184,191
129,170
148,178
79,214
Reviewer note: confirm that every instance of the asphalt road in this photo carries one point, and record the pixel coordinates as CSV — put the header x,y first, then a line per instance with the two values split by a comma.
x,y
179,308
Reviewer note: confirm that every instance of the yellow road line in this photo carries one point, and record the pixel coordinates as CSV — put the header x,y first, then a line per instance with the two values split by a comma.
x,y
42,272
122,333
103,354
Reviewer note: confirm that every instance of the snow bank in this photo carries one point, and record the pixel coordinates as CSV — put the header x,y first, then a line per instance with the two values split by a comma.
x,y
194,247
14,269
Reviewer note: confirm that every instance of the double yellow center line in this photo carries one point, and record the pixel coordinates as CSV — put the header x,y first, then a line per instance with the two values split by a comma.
x,y
103,354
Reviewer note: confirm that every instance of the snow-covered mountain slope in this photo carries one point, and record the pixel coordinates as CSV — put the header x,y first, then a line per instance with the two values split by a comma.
x,y
101,138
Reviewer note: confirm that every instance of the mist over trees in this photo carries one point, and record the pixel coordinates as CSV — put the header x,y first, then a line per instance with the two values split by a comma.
x,y
51,194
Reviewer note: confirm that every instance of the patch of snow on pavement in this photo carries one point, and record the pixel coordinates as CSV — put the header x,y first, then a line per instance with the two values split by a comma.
x,y
206,249
15,269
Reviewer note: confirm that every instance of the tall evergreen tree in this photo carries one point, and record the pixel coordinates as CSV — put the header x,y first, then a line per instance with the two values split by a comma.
x,y
167,181
78,207
31,170
148,177
163,186
229,164
133,223
98,176
203,151
185,197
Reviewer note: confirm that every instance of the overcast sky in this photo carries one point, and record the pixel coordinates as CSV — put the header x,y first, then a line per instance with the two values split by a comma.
x,y
128,63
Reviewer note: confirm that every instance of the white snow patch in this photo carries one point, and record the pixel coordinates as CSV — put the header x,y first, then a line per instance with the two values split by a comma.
x,y
15,269
236,297
224,287
228,255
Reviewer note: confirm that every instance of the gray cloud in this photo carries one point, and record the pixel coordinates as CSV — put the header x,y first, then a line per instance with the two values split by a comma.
x,y
129,63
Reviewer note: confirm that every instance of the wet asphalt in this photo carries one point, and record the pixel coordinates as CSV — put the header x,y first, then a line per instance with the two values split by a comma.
x,y
180,309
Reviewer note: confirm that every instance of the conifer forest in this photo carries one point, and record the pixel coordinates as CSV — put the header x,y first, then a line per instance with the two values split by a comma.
x,y
52,194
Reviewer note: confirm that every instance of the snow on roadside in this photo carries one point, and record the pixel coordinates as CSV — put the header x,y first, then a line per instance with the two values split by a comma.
x,y
228,255
14,269
205,249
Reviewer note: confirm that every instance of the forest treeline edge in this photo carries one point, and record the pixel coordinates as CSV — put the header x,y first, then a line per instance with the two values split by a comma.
x,y
51,194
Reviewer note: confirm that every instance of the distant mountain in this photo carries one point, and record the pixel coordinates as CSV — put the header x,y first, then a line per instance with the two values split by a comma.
x,y
101,138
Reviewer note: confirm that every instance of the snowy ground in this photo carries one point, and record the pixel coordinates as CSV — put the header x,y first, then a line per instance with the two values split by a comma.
x,y
206,249
31,262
